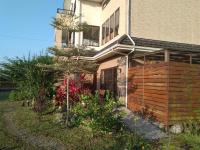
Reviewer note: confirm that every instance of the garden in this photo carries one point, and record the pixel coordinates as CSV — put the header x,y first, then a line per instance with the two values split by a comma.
x,y
64,110
52,107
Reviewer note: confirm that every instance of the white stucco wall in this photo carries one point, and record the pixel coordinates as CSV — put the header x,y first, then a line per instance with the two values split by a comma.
x,y
91,13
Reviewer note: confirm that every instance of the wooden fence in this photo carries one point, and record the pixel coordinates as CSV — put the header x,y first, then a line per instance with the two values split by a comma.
x,y
168,92
184,91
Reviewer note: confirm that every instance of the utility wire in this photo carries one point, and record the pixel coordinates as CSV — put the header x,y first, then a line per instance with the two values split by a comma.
x,y
23,38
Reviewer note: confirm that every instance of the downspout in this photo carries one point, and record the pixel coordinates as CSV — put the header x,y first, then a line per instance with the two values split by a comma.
x,y
80,21
128,35
127,58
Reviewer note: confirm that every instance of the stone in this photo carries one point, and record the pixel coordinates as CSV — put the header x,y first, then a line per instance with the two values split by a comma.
x,y
176,129
161,126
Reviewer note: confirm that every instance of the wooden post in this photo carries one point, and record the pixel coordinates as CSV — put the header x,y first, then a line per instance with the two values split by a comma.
x,y
143,80
167,56
190,58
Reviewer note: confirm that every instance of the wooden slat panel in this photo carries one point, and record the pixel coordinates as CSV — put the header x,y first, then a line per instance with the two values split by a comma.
x,y
150,90
184,91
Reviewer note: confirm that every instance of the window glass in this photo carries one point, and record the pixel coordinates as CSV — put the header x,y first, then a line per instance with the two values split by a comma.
x,y
66,38
103,33
105,3
117,22
91,36
107,30
112,26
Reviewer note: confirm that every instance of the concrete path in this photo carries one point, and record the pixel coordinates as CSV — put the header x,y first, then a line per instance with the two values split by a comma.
x,y
141,126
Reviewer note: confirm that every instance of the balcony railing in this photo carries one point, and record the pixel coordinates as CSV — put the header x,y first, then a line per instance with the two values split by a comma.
x,y
64,11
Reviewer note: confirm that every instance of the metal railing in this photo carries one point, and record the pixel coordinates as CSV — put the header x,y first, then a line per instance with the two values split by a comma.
x,y
64,11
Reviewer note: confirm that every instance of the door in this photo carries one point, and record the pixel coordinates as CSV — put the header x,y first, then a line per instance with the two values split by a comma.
x,y
109,80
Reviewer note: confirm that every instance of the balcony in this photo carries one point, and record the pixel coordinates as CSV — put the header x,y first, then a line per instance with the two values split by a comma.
x,y
98,1
64,11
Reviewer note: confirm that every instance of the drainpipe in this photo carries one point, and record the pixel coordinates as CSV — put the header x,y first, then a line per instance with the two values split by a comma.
x,y
127,58
128,35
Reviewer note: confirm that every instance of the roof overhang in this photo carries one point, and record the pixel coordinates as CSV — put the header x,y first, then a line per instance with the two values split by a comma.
x,y
123,46
117,48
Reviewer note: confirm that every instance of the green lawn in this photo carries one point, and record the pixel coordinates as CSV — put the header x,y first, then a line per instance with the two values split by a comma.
x,y
8,142
74,138
77,138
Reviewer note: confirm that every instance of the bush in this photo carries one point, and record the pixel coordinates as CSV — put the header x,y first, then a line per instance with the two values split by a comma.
x,y
99,115
131,141
13,95
28,77
192,127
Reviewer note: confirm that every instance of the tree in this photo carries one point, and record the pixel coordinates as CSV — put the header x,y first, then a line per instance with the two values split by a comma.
x,y
68,61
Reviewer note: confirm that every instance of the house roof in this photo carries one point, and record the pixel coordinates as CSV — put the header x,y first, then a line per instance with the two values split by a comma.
x,y
161,44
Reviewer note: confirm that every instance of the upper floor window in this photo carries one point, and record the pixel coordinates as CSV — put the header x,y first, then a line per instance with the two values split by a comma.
x,y
91,36
110,28
66,38
107,30
103,33
73,6
105,3
116,22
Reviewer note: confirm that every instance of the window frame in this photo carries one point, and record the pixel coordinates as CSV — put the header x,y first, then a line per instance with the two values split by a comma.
x,y
109,35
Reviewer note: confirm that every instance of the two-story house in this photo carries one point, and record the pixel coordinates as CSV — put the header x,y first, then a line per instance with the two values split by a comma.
x,y
133,33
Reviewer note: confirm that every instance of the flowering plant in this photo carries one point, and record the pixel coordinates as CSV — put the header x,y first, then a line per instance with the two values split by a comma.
x,y
61,93
76,88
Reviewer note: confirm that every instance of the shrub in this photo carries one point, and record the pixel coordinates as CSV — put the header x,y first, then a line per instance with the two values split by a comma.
x,y
28,77
96,114
76,88
14,96
191,127
131,141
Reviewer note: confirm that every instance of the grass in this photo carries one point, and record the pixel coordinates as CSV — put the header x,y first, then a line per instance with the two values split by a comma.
x,y
80,138
73,138
7,141
184,141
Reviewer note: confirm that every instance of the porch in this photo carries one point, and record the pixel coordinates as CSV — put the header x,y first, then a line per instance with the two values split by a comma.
x,y
165,85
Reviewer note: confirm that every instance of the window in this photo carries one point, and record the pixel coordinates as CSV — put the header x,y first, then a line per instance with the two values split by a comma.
x,y
103,33
107,30
91,36
110,28
105,3
117,22
66,38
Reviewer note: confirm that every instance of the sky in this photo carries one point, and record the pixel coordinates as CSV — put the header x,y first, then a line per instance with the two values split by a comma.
x,y
25,26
